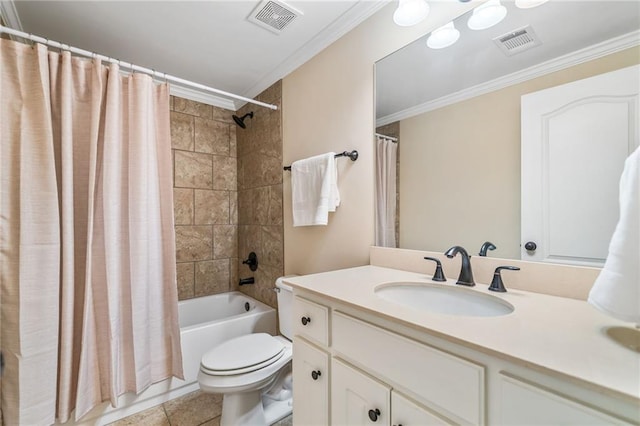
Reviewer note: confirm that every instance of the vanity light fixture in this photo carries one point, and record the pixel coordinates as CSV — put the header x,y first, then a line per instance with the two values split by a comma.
x,y
410,12
443,37
487,15
528,4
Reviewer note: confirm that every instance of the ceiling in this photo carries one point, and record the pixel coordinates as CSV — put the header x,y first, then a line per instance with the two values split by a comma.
x,y
416,78
208,42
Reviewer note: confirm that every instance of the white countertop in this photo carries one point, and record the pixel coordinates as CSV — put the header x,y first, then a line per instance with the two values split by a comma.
x,y
556,334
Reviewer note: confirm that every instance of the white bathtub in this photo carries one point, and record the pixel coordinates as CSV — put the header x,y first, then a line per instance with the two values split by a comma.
x,y
204,323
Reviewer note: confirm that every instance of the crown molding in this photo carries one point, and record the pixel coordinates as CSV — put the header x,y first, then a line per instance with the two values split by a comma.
x,y
200,96
345,23
10,15
575,58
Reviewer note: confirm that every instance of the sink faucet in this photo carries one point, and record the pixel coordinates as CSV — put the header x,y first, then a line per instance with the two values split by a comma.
x,y
488,245
466,275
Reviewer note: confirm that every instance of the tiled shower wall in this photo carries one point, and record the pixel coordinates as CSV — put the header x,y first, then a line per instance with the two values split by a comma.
x,y
227,197
203,140
260,174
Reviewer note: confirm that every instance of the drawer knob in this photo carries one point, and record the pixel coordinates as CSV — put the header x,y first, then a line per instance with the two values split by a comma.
x,y
316,374
306,320
373,415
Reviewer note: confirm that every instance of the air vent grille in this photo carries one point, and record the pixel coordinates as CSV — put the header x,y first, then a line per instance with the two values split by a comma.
x,y
517,41
274,15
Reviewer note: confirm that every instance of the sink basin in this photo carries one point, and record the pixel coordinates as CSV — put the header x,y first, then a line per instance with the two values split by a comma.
x,y
440,299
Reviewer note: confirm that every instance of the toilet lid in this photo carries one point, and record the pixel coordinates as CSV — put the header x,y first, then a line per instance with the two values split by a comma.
x,y
243,354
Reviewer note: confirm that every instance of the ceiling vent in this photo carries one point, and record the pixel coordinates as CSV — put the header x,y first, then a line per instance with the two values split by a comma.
x,y
517,41
274,15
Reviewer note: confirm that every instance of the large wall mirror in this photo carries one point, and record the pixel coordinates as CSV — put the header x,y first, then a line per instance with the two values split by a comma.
x,y
458,117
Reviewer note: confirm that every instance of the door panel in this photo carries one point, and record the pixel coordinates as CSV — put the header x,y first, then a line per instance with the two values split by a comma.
x,y
575,139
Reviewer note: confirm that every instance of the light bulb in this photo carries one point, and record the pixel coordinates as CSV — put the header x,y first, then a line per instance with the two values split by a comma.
x,y
443,37
487,15
410,12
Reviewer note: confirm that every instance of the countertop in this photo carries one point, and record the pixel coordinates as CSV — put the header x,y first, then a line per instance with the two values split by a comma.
x,y
555,334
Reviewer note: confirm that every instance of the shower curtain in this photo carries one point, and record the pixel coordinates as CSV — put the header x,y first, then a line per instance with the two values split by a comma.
x,y
386,154
88,302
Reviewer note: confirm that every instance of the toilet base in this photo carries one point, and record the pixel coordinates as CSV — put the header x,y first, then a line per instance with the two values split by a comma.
x,y
261,407
243,409
250,408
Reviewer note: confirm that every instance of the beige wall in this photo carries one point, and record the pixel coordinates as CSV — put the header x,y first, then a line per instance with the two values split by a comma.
x,y
328,105
461,165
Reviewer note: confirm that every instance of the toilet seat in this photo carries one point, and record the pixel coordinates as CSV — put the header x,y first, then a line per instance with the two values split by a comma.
x,y
242,354
254,380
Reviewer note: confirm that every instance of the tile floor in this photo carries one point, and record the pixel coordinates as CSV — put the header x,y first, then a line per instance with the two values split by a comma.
x,y
194,409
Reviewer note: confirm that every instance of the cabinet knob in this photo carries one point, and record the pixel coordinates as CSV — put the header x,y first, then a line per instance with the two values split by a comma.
x,y
306,320
530,246
373,415
316,374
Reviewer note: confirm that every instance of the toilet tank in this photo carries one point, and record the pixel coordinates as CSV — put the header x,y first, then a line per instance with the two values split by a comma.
x,y
285,307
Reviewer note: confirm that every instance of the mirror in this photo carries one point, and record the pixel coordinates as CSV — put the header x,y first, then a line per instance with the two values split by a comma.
x,y
456,112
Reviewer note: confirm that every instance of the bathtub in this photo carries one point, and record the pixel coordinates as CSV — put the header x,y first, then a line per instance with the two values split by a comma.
x,y
204,323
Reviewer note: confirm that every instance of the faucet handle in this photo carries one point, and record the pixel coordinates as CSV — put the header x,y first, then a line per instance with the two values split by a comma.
x,y
438,275
496,282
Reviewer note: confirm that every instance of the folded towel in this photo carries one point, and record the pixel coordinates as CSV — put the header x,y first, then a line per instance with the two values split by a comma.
x,y
617,288
314,187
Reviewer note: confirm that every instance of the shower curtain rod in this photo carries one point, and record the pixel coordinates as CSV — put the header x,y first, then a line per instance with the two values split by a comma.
x,y
130,66
391,138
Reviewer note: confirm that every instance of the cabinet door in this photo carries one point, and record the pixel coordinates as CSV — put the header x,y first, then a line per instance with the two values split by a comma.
x,y
405,412
522,403
310,384
357,399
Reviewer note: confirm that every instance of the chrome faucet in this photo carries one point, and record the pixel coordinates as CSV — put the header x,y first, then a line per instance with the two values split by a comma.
x,y
466,275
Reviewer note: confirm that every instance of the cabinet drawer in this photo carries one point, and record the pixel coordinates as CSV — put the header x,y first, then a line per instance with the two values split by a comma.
x,y
452,386
311,320
310,384
522,403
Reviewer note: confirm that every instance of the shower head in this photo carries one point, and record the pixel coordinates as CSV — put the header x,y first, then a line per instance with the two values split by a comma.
x,y
240,120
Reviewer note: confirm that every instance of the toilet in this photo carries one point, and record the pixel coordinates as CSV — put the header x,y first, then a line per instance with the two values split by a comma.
x,y
253,371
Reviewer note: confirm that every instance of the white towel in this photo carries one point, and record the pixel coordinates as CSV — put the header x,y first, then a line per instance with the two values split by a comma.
x,y
617,288
314,187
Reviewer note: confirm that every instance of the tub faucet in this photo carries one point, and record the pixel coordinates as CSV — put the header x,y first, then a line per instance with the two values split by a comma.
x,y
466,275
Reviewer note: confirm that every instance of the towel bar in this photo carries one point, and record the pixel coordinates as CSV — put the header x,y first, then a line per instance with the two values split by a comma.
x,y
353,155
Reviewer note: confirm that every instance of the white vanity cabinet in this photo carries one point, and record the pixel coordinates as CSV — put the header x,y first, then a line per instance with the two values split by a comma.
x,y
376,371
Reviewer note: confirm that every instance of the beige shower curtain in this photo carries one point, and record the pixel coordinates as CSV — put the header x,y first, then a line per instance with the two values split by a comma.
x,y
386,155
87,249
